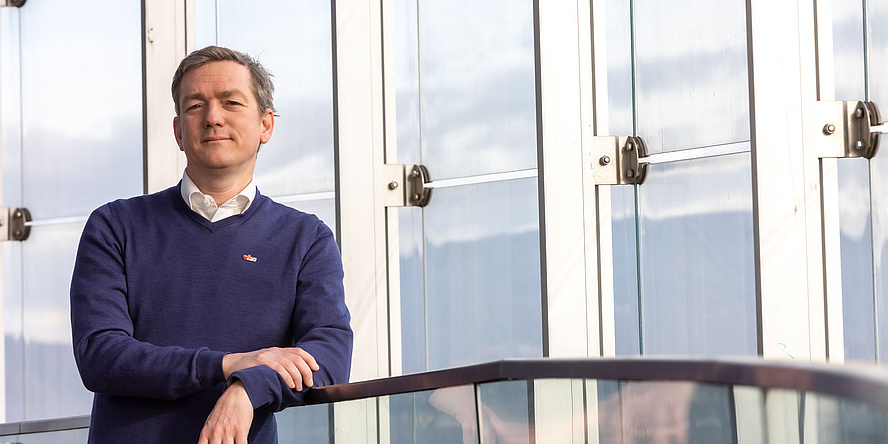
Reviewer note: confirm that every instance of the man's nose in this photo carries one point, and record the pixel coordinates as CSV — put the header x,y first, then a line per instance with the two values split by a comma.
x,y
213,115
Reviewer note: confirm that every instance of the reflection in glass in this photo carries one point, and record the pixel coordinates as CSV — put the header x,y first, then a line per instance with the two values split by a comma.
x,y
406,73
625,252
697,264
482,252
619,68
81,105
310,423
296,46
844,420
433,416
413,309
653,411
50,251
77,436
876,65
324,209
478,107
505,412
691,82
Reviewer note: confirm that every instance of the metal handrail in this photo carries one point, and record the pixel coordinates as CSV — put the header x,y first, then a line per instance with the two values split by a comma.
x,y
862,383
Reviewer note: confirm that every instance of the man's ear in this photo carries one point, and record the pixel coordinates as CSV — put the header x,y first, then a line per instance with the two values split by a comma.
x,y
266,126
177,132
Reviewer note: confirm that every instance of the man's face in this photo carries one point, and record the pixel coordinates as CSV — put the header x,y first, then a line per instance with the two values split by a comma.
x,y
219,126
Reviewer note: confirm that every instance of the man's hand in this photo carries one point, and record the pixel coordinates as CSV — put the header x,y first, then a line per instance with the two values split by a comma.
x,y
293,364
230,420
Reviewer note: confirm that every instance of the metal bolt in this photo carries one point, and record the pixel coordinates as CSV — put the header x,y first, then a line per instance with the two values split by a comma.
x,y
416,196
630,146
415,173
859,144
18,213
630,173
859,113
393,185
604,160
17,233
829,129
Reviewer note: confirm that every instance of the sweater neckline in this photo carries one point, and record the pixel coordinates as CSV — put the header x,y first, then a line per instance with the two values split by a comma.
x,y
257,202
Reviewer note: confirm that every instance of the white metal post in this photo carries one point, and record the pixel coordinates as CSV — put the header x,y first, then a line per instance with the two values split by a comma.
x,y
165,46
359,145
564,123
786,179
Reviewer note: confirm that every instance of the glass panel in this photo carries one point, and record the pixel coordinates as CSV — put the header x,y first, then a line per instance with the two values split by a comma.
x,y
697,264
82,118
505,412
619,68
324,209
665,412
78,436
855,218
877,63
50,251
446,415
406,73
625,250
296,46
310,423
413,304
482,256
691,85
843,420
478,87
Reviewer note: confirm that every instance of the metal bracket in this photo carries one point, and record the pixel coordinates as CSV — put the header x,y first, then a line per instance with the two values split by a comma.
x,y
405,185
847,129
616,160
12,223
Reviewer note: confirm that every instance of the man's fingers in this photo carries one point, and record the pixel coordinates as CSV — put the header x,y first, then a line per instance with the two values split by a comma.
x,y
312,363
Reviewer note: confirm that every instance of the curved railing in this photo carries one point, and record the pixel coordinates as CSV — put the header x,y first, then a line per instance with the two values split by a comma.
x,y
581,400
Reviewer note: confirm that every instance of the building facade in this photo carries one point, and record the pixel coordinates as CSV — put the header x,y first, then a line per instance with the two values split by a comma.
x,y
758,229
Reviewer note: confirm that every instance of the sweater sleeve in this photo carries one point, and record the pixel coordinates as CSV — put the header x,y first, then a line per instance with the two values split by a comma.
x,y
109,358
320,327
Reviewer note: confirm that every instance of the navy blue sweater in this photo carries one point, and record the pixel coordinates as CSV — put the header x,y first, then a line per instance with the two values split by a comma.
x,y
160,294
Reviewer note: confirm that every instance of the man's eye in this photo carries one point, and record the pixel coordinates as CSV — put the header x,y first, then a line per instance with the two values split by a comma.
x,y
195,106
233,103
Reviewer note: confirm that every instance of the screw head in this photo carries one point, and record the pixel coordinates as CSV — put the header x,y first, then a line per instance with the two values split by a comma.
x,y
829,128
604,160
630,146
18,213
630,173
18,233
859,144
859,113
393,185
416,196
415,173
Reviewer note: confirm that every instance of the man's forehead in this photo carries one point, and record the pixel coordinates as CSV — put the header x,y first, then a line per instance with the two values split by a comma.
x,y
222,78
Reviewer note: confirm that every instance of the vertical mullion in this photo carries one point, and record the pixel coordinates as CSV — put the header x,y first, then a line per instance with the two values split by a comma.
x,y
562,92
359,139
785,177
164,46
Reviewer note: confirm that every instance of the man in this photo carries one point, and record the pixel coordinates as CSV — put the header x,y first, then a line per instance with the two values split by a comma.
x,y
194,322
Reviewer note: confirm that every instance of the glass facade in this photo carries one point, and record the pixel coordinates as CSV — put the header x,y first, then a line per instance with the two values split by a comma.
x,y
457,87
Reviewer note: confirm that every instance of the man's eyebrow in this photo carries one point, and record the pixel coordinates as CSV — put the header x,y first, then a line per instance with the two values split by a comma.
x,y
227,93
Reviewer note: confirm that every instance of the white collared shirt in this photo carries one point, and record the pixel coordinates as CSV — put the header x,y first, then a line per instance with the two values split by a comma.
x,y
205,205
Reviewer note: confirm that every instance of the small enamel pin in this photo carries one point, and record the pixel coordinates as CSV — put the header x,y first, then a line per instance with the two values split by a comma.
x,y
247,257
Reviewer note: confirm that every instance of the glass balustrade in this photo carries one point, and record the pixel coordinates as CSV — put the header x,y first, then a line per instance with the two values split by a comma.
x,y
579,401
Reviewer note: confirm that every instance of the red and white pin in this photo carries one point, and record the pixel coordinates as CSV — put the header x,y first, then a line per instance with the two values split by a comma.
x,y
250,258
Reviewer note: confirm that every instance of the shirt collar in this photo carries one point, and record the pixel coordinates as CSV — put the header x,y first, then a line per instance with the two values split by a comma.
x,y
188,188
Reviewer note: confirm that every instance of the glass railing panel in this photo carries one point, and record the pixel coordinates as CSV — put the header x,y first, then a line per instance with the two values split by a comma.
x,y
443,415
842,420
309,423
505,412
656,411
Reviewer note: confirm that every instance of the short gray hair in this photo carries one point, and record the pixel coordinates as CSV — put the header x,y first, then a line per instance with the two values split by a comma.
x,y
263,87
